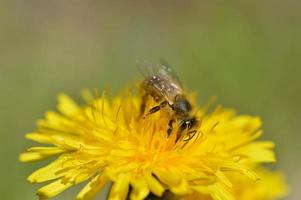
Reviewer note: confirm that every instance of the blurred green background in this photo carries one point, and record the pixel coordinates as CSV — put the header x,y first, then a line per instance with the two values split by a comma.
x,y
247,53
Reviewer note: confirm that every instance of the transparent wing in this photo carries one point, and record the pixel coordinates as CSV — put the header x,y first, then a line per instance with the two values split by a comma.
x,y
162,80
166,70
146,69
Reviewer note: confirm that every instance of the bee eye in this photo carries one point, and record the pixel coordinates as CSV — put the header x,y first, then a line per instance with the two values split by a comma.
x,y
188,124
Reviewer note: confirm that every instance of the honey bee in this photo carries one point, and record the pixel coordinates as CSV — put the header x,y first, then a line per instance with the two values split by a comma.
x,y
163,85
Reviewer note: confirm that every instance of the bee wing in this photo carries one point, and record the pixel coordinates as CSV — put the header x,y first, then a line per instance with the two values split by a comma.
x,y
169,84
167,71
167,89
162,79
163,70
146,69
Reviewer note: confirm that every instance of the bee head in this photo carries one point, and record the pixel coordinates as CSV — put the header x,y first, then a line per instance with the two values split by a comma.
x,y
188,123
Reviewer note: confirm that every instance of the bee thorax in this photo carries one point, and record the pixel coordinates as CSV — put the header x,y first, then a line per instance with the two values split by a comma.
x,y
181,106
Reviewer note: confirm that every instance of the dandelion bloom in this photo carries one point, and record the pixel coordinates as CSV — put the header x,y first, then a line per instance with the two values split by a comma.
x,y
107,140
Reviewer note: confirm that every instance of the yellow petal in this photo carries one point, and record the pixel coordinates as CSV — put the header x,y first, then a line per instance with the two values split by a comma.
x,y
181,188
258,151
91,189
39,153
48,172
166,178
113,172
240,168
87,95
222,177
66,105
202,189
53,120
120,188
53,189
218,192
140,189
60,185
38,137
154,185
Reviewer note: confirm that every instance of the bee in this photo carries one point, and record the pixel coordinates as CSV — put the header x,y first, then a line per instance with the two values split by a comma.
x,y
164,86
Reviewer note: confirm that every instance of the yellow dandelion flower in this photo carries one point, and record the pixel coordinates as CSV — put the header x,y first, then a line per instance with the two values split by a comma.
x,y
271,186
109,141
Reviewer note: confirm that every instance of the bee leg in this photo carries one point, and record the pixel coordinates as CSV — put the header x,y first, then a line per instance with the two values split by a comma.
x,y
191,134
143,104
157,108
169,129
179,134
